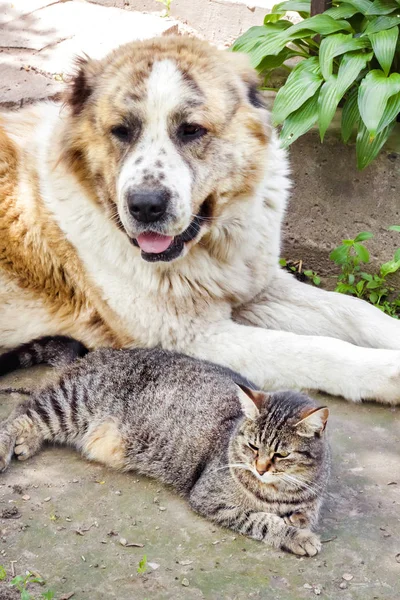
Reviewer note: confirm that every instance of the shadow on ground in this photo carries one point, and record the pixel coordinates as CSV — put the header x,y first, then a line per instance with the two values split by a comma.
x,y
70,527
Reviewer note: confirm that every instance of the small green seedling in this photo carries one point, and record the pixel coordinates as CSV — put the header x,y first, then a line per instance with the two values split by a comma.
x,y
3,573
21,582
313,276
142,566
167,4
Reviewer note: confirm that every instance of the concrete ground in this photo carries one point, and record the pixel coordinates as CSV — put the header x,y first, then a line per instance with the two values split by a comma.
x,y
71,515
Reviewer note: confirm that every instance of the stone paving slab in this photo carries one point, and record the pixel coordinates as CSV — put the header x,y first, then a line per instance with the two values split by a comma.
x,y
37,48
197,560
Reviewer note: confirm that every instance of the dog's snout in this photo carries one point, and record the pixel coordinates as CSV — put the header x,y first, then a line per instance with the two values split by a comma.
x,y
148,205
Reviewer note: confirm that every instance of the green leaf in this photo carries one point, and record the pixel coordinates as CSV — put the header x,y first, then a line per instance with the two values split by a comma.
x,y
368,149
390,267
364,235
343,11
391,111
382,7
373,94
25,595
273,61
293,6
384,45
366,276
379,23
302,83
282,262
349,69
373,298
360,286
300,121
273,17
362,6
351,279
49,595
327,104
337,44
373,285
339,255
3,573
397,254
394,228
322,24
361,252
350,115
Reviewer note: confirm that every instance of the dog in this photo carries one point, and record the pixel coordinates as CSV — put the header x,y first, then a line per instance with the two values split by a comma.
x,y
146,209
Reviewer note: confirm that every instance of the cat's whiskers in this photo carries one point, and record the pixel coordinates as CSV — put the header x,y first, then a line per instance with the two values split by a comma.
x,y
299,483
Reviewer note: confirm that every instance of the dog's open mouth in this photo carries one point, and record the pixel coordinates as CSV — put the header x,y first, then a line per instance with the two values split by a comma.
x,y
156,247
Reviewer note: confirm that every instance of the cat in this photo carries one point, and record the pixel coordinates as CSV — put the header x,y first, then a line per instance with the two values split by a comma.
x,y
253,462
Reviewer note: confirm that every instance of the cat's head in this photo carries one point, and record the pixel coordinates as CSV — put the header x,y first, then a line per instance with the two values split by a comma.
x,y
281,444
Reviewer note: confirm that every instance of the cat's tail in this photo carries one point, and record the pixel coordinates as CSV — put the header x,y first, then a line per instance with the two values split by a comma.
x,y
56,351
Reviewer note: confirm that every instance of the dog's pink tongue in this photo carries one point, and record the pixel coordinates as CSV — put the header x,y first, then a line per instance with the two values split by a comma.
x,y
154,243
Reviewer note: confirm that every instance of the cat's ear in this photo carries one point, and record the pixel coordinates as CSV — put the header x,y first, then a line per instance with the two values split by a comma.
x,y
251,401
313,422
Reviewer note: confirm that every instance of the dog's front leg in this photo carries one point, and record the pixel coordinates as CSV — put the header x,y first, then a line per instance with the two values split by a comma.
x,y
289,305
282,360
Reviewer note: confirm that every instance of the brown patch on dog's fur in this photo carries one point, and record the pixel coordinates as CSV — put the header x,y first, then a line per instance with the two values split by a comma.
x,y
43,263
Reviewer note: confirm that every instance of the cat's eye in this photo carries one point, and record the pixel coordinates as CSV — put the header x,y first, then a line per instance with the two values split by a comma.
x,y
281,454
252,447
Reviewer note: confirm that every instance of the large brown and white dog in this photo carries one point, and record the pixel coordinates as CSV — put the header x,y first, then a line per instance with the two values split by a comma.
x,y
146,210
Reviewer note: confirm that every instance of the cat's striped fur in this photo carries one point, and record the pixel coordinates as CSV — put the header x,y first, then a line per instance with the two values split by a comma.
x,y
186,423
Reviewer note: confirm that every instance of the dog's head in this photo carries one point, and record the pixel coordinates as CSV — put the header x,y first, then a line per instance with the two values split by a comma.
x,y
165,134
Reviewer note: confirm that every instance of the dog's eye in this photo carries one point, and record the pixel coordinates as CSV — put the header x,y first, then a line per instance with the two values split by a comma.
x,y
281,454
188,132
252,447
122,133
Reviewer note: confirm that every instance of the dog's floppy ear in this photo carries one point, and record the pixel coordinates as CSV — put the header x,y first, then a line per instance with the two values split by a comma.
x,y
82,83
249,76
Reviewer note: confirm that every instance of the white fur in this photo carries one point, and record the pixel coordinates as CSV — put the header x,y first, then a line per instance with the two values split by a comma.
x,y
165,92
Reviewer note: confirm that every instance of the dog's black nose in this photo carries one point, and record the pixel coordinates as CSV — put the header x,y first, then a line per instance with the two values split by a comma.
x,y
148,206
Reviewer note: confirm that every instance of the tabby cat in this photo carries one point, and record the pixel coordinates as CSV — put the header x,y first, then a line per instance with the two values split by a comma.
x,y
256,463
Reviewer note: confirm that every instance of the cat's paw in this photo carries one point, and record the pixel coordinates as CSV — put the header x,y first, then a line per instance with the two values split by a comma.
x,y
302,542
26,446
6,449
297,519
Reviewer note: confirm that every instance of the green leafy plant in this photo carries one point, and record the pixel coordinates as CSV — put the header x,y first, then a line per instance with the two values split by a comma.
x,y
348,56
167,4
315,278
21,582
142,566
3,573
376,288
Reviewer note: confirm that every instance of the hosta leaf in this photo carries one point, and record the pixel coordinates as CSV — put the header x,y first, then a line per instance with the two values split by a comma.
x,y
382,7
272,44
384,45
373,95
350,115
350,66
368,149
337,44
379,23
391,111
251,37
343,11
297,6
273,61
302,83
327,104
323,24
299,122
362,6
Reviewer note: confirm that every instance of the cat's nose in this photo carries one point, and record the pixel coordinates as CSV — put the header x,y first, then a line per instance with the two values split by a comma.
x,y
263,465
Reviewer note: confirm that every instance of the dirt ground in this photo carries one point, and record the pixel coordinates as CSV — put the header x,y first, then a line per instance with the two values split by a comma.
x,y
68,520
